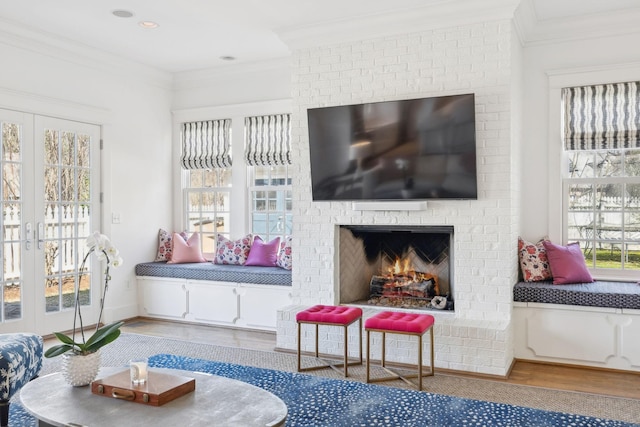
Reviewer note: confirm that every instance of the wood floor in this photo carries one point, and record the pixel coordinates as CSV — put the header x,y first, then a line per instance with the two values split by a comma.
x,y
605,382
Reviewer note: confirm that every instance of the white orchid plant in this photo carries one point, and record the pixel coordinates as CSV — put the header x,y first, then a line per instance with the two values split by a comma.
x,y
101,246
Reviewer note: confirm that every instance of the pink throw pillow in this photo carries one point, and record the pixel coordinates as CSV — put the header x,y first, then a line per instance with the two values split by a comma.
x,y
284,254
165,245
234,252
264,254
188,251
567,263
533,261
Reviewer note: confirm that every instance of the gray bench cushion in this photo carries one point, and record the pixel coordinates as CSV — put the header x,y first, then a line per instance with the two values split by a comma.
x,y
217,272
597,294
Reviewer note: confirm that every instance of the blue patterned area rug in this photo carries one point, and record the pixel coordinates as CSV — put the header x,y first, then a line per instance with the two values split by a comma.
x,y
324,402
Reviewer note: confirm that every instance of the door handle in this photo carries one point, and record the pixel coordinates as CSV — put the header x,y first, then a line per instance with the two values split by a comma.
x,y
28,231
40,235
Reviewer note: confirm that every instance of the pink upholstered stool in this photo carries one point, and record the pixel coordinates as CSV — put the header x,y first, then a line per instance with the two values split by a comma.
x,y
330,315
400,323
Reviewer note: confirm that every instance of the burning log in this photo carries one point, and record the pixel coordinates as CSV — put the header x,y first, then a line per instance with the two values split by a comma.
x,y
410,284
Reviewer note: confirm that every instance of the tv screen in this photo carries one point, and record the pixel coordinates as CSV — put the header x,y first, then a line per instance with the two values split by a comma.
x,y
413,149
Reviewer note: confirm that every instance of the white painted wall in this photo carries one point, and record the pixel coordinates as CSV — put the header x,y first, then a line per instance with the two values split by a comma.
x,y
132,103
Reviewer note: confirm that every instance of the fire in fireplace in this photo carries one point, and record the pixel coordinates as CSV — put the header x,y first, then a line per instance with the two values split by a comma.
x,y
402,286
401,267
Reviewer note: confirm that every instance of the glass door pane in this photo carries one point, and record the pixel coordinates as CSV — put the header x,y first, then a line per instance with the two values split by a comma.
x,y
11,221
16,273
68,196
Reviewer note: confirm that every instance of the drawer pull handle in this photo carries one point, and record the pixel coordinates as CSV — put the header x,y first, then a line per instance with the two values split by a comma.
x,y
119,393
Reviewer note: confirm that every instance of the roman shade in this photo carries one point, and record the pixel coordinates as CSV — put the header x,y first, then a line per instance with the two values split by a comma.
x,y
268,140
206,144
602,117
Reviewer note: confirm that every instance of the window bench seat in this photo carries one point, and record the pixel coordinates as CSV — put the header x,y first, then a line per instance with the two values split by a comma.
x,y
597,294
217,272
228,295
590,324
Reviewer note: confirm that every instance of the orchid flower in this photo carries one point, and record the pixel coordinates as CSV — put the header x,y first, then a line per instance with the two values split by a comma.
x,y
101,246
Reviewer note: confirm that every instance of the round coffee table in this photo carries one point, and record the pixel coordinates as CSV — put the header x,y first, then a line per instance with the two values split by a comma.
x,y
216,401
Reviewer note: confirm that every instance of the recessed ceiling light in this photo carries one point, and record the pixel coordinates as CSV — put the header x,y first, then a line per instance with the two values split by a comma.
x,y
228,58
121,13
148,24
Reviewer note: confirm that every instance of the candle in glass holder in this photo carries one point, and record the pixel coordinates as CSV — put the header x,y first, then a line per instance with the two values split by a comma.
x,y
138,371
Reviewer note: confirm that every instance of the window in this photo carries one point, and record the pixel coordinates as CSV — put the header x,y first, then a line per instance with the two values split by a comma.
x,y
223,192
270,194
206,161
601,182
208,205
268,154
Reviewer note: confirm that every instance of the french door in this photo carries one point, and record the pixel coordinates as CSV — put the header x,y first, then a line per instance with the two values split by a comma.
x,y
50,204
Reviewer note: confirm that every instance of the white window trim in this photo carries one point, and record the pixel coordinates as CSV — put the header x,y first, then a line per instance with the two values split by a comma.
x,y
559,79
237,114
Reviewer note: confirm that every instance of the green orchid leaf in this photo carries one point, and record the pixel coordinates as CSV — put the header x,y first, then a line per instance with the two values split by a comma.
x,y
106,339
57,350
101,335
66,339
99,339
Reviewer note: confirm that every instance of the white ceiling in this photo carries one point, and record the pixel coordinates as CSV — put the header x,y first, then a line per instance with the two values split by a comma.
x,y
194,34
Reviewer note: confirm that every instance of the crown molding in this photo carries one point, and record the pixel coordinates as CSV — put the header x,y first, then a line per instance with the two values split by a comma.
x,y
436,15
524,20
38,104
196,78
596,74
535,32
274,106
66,50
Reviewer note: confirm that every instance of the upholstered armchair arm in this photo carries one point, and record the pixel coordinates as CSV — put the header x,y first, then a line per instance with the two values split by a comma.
x,y
20,362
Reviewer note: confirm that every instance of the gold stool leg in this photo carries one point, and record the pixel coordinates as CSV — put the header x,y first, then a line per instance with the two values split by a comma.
x,y
346,350
384,349
368,353
360,339
433,372
420,362
299,336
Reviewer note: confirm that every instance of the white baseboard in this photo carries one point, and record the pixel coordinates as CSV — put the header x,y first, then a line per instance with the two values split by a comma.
x,y
122,312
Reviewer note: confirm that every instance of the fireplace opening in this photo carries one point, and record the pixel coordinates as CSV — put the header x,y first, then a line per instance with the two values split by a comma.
x,y
396,266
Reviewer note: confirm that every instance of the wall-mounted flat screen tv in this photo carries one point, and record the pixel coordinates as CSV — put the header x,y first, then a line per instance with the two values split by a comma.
x,y
415,149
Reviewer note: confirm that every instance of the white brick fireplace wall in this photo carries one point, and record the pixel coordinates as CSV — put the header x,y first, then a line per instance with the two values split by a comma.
x,y
474,58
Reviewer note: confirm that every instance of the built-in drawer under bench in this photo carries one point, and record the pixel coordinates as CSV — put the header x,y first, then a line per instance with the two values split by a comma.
x,y
228,295
590,324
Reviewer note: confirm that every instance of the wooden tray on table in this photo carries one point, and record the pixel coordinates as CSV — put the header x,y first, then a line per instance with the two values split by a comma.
x,y
159,389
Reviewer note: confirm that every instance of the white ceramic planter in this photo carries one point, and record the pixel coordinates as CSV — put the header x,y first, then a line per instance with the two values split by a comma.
x,y
79,370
